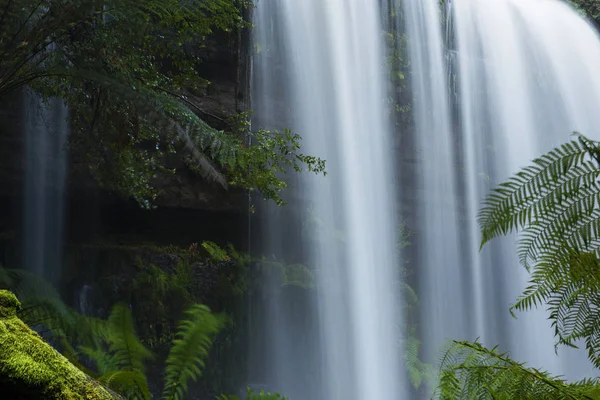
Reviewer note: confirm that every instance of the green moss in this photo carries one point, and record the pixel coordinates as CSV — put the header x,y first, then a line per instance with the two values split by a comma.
x,y
31,369
9,305
192,253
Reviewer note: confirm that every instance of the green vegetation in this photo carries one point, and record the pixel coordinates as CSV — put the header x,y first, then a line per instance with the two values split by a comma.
x,y
252,395
122,367
128,71
158,298
589,8
399,66
31,368
554,204
118,356
469,371
298,275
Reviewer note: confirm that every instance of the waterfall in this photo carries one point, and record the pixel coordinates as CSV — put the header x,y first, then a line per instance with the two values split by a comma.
x,y
46,133
526,79
320,71
439,255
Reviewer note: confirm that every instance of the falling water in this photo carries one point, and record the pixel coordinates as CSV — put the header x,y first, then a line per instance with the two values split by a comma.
x,y
46,132
436,186
527,78
324,79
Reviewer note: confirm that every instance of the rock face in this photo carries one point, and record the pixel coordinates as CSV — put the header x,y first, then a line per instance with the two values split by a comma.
x,y
31,369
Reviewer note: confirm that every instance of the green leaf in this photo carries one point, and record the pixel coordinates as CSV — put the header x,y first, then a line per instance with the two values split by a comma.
x,y
190,349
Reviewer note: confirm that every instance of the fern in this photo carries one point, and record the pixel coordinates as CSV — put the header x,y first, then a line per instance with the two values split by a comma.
x,y
214,154
191,347
554,203
419,372
130,78
132,384
43,308
296,275
113,345
173,116
130,353
215,252
122,366
470,371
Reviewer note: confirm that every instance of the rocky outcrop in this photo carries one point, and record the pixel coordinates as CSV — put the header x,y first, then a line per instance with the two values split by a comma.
x,y
31,369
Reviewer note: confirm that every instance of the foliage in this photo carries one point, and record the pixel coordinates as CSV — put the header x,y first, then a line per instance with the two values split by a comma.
x,y
30,368
315,228
190,349
399,65
554,203
298,275
589,8
125,347
158,298
215,252
119,355
257,166
113,345
470,371
252,395
42,307
419,373
129,73
122,365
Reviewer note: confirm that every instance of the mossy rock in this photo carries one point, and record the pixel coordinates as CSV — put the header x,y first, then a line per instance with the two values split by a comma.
x,y
32,369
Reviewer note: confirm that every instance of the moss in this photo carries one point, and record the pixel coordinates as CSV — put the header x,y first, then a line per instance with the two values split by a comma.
x,y
9,305
31,369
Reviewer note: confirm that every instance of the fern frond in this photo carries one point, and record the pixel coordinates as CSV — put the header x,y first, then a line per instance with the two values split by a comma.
x,y
298,275
43,308
556,183
50,314
25,284
174,117
469,371
555,204
122,366
190,349
419,372
105,362
130,354
132,384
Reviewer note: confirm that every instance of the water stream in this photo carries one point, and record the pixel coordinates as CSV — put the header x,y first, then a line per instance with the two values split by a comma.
x,y
46,133
525,81
494,84
330,79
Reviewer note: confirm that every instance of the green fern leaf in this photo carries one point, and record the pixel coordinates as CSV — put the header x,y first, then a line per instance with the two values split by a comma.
x,y
132,384
190,349
469,371
130,354
554,203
